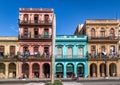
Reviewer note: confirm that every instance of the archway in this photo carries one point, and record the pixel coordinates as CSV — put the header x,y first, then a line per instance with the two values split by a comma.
x,y
46,70
25,70
35,70
102,70
112,69
59,70
70,70
93,70
12,70
2,70
80,70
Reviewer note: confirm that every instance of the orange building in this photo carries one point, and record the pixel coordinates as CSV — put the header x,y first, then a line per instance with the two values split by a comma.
x,y
102,46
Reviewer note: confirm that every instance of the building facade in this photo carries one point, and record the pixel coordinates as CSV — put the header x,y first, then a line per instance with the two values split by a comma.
x,y
71,56
8,57
36,28
102,47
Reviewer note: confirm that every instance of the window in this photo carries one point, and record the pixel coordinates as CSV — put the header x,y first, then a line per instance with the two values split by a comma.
x,y
12,50
25,32
25,51
80,52
46,17
59,51
46,50
92,32
102,32
25,18
93,50
1,50
35,18
112,49
112,32
102,48
36,50
70,52
36,33
46,31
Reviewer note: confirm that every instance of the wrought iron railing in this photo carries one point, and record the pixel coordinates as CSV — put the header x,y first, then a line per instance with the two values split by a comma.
x,y
69,56
37,22
103,38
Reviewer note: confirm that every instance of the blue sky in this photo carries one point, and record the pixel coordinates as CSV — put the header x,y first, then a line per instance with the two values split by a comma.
x,y
69,13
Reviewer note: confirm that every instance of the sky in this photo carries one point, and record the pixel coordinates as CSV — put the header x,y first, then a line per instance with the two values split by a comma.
x,y
69,13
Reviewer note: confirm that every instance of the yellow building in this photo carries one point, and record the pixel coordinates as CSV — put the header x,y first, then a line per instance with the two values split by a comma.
x,y
102,46
8,57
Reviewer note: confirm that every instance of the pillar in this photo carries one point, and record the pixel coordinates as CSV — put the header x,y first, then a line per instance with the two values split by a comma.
x,y
107,72
30,70
6,70
98,70
41,71
65,71
19,69
75,69
17,75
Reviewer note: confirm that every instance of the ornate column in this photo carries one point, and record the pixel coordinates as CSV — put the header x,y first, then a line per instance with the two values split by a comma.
x,y
41,70
98,70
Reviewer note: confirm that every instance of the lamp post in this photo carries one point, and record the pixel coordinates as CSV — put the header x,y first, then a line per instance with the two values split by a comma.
x,y
105,59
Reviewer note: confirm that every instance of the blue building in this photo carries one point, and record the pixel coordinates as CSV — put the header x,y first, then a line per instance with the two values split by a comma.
x,y
71,56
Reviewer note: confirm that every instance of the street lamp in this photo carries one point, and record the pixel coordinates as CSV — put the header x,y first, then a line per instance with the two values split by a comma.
x,y
105,59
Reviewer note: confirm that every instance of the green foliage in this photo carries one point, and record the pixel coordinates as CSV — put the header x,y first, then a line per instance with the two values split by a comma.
x,y
56,83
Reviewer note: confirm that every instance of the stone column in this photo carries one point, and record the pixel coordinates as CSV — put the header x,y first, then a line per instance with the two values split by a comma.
x,y
19,69
6,70
17,75
65,76
98,70
41,71
30,70
107,69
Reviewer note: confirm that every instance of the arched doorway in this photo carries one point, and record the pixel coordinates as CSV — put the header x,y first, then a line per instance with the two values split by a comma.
x,y
2,70
102,70
25,70
46,70
59,70
93,70
80,70
35,70
12,70
70,70
112,69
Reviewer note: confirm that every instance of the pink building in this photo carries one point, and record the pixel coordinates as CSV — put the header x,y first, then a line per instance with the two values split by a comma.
x,y
35,42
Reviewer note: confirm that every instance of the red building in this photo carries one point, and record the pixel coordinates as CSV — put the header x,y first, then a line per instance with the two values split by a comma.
x,y
35,42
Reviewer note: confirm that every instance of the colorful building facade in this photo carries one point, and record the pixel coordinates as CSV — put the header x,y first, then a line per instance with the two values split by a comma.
x,y
8,57
71,56
36,28
102,47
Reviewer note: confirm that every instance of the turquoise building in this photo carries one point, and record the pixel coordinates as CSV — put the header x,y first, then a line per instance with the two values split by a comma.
x,y
71,56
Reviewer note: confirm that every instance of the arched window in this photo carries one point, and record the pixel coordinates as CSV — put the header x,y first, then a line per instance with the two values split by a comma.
x,y
70,52
80,52
46,18
59,51
102,32
12,50
92,32
112,49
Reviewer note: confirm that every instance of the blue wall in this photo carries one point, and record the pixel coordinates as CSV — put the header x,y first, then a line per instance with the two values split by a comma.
x,y
73,41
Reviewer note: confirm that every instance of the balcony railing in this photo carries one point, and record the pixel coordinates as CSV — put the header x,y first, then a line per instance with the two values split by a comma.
x,y
70,57
35,22
99,55
104,38
35,55
34,37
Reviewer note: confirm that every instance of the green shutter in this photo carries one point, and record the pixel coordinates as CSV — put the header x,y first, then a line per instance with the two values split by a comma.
x,y
69,68
59,68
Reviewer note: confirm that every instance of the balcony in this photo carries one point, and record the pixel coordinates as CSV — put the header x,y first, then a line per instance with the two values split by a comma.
x,y
35,36
101,39
70,57
101,57
9,58
35,22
